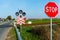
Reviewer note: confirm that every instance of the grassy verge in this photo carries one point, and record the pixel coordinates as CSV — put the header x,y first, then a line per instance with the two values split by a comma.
x,y
11,35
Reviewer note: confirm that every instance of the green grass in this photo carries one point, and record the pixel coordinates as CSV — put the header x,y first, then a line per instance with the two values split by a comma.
x,y
39,21
43,20
26,35
30,33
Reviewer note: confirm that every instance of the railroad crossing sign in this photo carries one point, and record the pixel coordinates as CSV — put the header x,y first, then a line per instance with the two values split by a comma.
x,y
51,9
20,20
20,17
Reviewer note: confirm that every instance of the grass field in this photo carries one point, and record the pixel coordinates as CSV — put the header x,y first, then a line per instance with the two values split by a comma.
x,y
43,20
36,32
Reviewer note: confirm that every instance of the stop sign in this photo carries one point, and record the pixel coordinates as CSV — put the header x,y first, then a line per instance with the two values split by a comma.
x,y
51,9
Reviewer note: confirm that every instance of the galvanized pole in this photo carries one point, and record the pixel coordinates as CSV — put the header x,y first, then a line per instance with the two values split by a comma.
x,y
51,29
21,27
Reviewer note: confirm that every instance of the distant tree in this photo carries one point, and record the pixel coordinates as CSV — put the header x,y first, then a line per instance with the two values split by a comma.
x,y
9,17
13,19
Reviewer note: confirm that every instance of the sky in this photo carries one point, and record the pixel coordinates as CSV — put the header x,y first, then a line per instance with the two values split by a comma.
x,y
33,8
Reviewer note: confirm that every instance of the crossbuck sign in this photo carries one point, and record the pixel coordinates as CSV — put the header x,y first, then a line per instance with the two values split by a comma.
x,y
20,20
20,17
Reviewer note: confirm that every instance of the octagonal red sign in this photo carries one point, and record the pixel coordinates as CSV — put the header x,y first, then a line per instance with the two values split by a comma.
x,y
51,9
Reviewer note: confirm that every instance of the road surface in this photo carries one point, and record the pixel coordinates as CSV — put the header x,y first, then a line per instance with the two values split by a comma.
x,y
3,29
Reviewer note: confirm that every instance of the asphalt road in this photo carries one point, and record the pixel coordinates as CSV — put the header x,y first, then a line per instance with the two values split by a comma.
x,y
3,29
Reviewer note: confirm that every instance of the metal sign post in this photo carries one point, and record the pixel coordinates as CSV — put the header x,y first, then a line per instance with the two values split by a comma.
x,y
51,29
20,27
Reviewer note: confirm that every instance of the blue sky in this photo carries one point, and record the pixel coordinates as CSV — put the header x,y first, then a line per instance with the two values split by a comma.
x,y
33,8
